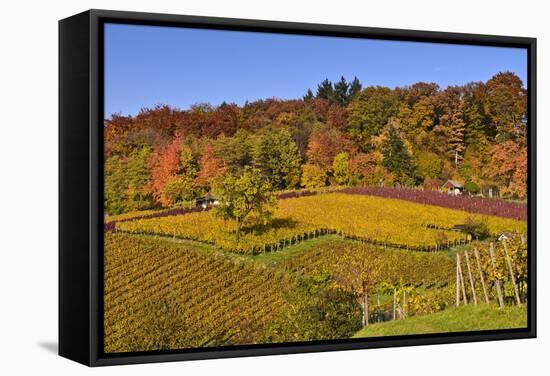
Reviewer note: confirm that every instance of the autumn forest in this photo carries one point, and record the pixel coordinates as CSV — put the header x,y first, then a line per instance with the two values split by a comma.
x,y
339,134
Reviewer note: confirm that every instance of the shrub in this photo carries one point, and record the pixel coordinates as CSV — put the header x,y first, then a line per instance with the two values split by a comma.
x,y
317,312
477,228
472,188
313,177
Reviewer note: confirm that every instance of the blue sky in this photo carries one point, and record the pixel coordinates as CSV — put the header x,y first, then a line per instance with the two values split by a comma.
x,y
149,65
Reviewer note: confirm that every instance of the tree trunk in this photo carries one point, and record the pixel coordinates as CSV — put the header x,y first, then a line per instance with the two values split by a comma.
x,y
456,160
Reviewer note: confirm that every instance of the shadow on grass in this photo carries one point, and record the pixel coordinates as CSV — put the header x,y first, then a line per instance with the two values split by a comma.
x,y
273,224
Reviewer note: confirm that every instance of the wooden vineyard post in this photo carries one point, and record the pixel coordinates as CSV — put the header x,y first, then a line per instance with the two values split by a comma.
x,y
470,277
394,302
497,282
511,270
365,306
476,253
462,281
404,304
457,282
378,307
523,241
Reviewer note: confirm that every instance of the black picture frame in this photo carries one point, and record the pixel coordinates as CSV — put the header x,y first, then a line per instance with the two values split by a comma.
x,y
81,185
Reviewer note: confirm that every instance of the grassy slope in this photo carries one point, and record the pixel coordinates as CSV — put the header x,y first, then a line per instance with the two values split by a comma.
x,y
266,258
465,318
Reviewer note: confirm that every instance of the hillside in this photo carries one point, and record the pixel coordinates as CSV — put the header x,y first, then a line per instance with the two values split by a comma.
x,y
464,318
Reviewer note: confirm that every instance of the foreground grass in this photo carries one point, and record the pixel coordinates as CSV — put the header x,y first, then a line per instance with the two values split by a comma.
x,y
465,318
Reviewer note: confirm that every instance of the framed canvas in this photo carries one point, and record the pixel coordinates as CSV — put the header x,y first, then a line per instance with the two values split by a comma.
x,y
235,187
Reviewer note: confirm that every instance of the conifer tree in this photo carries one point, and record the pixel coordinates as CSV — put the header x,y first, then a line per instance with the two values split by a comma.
x,y
325,90
354,89
456,136
397,159
341,92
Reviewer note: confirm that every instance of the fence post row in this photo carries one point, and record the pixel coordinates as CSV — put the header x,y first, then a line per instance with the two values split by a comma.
x,y
460,285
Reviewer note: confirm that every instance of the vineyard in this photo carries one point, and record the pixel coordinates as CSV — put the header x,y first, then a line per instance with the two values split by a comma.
x,y
207,228
376,220
496,273
421,283
158,295
425,278
180,279
479,205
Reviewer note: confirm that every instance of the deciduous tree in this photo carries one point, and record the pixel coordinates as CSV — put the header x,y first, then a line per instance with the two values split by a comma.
x,y
275,153
508,167
325,144
210,166
507,103
340,168
367,169
240,195
313,177
369,113
139,194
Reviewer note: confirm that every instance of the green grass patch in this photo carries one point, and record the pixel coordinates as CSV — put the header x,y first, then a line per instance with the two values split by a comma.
x,y
460,319
295,249
266,258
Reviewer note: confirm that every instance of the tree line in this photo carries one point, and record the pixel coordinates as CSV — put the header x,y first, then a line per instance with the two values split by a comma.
x,y
414,136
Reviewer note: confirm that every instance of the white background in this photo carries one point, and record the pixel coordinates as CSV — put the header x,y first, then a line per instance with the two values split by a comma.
x,y
28,162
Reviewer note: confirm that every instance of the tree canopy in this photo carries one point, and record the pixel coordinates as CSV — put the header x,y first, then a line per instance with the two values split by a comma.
x,y
343,133
244,194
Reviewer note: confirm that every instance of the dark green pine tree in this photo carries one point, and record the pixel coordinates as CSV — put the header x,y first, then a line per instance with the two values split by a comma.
x,y
309,96
354,89
325,90
341,92
397,160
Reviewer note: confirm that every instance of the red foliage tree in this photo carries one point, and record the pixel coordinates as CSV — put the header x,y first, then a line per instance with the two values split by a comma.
x,y
165,165
325,144
210,166
508,167
337,116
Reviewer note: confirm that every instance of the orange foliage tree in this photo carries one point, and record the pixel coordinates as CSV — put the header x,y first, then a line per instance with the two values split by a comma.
x,y
165,165
508,167
210,166
325,145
